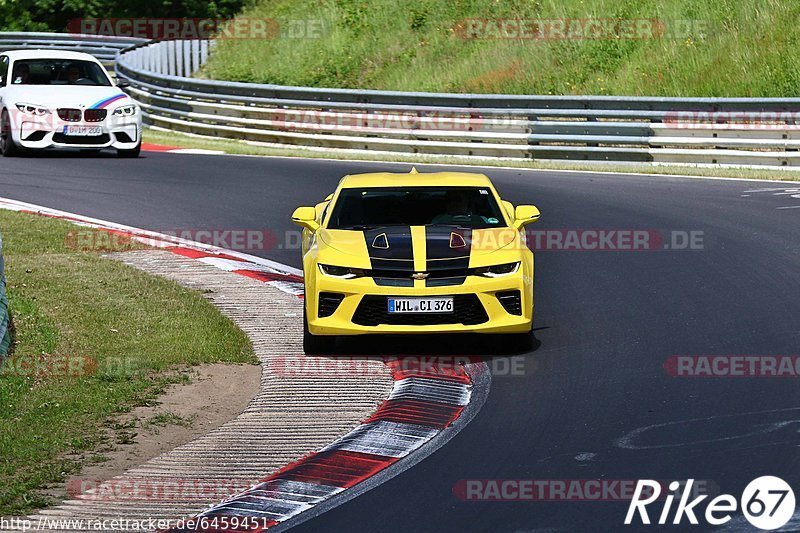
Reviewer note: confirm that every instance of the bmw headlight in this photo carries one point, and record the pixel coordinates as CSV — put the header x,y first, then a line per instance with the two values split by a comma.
x,y
495,271
342,272
125,111
33,109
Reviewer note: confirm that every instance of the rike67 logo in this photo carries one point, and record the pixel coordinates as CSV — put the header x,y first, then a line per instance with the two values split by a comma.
x,y
767,503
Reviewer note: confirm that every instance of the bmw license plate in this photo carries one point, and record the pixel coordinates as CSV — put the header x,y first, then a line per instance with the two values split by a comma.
x,y
437,304
83,131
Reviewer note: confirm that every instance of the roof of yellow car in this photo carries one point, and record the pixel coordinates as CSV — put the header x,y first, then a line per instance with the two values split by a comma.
x,y
415,179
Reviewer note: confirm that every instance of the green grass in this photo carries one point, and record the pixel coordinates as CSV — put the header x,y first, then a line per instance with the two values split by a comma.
x,y
247,148
736,48
102,338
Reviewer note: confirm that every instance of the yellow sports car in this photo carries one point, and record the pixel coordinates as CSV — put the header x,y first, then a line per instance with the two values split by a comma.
x,y
415,253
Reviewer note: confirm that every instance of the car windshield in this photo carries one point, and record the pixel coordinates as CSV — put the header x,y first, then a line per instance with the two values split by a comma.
x,y
471,207
58,72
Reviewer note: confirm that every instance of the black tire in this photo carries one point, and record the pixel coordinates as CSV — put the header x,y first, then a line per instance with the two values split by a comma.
x,y
316,344
133,153
7,146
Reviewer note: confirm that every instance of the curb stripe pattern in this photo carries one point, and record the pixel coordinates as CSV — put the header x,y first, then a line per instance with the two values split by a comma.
x,y
424,400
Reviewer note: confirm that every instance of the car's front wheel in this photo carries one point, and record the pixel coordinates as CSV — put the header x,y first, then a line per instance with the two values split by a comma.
x,y
7,145
132,153
316,344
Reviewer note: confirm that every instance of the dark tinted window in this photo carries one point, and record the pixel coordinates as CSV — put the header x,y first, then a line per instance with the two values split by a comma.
x,y
472,207
58,72
3,70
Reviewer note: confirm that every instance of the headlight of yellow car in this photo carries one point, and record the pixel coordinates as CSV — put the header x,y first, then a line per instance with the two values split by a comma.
x,y
342,272
495,271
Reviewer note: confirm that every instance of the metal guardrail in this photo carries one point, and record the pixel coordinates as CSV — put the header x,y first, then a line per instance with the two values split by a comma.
x,y
738,131
741,131
105,49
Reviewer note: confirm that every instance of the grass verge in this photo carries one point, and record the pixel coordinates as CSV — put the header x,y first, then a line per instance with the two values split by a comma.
x,y
694,48
94,338
248,148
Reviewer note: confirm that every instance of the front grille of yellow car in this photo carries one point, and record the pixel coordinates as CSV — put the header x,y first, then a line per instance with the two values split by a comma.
x,y
373,310
511,302
402,278
328,303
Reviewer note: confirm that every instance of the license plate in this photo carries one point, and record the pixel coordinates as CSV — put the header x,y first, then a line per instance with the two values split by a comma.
x,y
83,131
439,304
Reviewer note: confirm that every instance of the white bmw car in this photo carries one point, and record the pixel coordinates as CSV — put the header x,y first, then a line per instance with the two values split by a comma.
x,y
59,99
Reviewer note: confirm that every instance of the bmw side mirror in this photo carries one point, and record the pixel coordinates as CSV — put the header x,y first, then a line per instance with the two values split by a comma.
x,y
123,84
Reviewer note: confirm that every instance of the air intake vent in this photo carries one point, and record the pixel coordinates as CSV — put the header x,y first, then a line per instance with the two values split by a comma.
x,y
511,302
329,303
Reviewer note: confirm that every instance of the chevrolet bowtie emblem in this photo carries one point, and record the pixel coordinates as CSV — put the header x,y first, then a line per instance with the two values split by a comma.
x,y
420,275
380,241
457,240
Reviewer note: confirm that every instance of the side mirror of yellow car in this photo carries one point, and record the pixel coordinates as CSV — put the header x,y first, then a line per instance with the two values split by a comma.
x,y
525,214
306,217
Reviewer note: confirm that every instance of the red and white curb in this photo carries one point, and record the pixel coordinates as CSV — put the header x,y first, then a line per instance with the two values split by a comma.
x,y
150,147
426,399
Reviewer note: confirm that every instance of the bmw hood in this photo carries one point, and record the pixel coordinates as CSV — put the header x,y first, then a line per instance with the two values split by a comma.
x,y
79,96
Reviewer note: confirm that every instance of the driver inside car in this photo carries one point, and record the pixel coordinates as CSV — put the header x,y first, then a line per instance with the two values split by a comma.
x,y
456,210
22,73
73,73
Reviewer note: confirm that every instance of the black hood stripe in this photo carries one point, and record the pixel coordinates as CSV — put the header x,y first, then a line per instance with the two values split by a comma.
x,y
444,250
398,255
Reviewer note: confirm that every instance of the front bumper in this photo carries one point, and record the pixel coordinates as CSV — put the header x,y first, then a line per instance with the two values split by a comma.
x,y
123,133
498,319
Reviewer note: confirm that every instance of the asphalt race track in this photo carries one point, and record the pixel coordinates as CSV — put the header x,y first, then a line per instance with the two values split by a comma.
x,y
594,399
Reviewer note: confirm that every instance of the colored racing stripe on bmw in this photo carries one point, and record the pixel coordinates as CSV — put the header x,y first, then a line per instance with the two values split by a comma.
x,y
105,102
425,399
